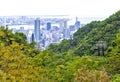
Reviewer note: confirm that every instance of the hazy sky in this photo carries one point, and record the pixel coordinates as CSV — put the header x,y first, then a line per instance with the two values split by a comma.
x,y
82,8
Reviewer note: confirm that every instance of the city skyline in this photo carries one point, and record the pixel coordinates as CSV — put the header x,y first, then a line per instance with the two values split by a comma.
x,y
43,31
80,8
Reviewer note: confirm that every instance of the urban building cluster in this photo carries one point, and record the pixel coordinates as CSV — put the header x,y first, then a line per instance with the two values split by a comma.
x,y
43,31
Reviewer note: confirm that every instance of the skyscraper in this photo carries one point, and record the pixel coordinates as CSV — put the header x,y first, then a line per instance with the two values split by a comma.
x,y
37,30
65,30
66,33
48,26
77,23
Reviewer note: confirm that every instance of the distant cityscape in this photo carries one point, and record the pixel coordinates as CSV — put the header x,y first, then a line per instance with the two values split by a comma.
x,y
42,30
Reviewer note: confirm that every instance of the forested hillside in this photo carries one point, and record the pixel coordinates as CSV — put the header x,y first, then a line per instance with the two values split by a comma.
x,y
85,39
78,60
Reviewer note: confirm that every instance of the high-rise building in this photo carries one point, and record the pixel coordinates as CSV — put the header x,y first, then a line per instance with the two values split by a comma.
x,y
32,38
63,25
72,27
37,30
65,30
48,26
66,33
77,23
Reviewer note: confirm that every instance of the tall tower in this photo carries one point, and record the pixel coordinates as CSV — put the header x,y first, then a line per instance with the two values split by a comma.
x,y
77,23
48,26
37,30
66,32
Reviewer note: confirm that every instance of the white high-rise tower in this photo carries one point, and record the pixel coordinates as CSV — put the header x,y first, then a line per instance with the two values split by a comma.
x,y
37,30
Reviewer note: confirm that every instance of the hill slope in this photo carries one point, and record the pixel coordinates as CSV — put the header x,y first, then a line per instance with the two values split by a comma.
x,y
21,62
85,39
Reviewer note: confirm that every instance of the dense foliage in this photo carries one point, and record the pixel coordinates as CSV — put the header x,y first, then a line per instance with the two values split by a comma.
x,y
70,61
85,39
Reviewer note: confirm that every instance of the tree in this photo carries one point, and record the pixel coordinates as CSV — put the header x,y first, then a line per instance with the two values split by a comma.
x,y
86,75
114,56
